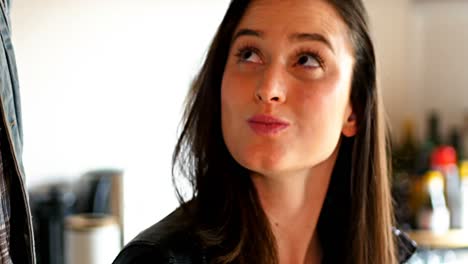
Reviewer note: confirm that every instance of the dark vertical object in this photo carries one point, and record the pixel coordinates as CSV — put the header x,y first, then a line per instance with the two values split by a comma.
x,y
456,142
21,240
434,134
432,141
49,210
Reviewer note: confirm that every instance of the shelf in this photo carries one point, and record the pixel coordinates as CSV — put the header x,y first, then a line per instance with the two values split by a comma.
x,y
456,238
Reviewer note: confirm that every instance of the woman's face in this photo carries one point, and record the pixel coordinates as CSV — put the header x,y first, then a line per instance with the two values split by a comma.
x,y
286,86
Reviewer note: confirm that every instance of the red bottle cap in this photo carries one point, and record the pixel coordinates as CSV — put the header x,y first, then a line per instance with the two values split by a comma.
x,y
443,155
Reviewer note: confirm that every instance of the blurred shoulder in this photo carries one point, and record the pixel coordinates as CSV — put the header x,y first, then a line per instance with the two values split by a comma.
x,y
172,240
141,253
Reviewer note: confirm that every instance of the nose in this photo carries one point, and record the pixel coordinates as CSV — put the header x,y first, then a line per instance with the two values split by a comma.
x,y
271,88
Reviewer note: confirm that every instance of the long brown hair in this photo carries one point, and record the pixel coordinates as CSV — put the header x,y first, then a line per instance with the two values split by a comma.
x,y
357,215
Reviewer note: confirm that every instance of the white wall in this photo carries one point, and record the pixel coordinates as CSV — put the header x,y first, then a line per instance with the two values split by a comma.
x,y
102,85
421,52
389,22
443,54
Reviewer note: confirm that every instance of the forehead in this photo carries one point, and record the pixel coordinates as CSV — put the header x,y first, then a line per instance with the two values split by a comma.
x,y
280,17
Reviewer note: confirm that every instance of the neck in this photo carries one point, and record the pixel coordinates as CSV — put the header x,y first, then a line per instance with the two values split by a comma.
x,y
292,203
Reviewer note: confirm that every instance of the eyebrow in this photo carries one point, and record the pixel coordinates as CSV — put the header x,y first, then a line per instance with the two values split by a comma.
x,y
247,32
293,37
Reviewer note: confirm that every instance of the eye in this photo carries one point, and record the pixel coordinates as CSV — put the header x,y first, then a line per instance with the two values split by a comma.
x,y
309,60
248,54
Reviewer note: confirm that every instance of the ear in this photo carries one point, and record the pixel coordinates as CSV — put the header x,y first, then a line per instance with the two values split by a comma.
x,y
350,124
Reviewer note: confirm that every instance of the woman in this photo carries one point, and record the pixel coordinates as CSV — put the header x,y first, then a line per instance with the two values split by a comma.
x,y
283,144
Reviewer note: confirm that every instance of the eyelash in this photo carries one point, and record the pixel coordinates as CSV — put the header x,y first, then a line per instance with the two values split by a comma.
x,y
298,53
244,48
313,54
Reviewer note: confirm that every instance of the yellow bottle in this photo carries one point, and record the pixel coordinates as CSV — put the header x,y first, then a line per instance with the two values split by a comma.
x,y
434,214
464,192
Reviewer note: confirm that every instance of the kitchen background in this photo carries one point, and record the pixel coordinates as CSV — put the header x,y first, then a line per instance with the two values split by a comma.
x,y
103,82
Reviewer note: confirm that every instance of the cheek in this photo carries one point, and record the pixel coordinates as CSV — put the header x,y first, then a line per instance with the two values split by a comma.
x,y
237,93
233,104
226,88
320,103
329,98
230,98
233,89
321,114
233,107
226,112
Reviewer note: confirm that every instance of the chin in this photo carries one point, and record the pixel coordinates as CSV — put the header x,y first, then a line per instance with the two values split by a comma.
x,y
263,164
261,157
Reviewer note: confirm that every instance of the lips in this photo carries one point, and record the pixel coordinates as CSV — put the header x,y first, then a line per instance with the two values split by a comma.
x,y
267,125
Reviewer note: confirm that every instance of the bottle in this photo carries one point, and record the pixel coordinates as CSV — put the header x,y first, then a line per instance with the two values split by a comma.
x,y
456,142
433,213
464,192
434,135
465,136
409,148
405,177
431,141
444,159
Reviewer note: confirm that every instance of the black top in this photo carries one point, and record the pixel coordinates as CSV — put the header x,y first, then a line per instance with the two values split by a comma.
x,y
172,241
